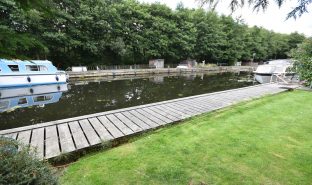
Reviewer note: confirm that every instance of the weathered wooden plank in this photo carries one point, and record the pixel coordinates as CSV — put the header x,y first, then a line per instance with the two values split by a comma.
x,y
119,124
37,142
168,111
90,133
234,96
200,106
186,107
183,109
192,106
151,117
228,99
66,140
12,135
182,115
136,120
204,104
128,122
78,135
144,119
100,129
114,131
209,103
164,113
52,148
157,115
225,100
198,103
24,137
214,104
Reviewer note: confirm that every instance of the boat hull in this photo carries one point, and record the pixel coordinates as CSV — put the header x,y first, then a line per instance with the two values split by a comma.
x,y
268,78
30,80
261,78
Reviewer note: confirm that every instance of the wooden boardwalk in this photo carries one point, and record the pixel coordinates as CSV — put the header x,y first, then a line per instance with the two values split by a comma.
x,y
134,72
54,138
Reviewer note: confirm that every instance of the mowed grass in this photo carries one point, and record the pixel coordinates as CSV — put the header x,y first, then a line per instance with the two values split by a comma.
x,y
264,141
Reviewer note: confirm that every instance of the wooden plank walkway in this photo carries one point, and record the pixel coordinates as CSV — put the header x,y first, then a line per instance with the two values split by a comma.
x,y
134,72
54,138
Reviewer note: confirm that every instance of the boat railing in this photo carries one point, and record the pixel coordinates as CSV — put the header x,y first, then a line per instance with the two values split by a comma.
x,y
279,77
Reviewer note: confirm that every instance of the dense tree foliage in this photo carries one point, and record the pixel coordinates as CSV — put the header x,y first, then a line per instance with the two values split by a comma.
x,y
303,61
128,32
300,8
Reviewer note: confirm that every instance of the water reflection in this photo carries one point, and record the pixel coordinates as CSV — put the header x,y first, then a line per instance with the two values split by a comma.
x,y
12,99
157,79
98,95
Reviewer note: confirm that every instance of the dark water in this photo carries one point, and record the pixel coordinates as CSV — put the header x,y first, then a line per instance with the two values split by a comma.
x,y
93,97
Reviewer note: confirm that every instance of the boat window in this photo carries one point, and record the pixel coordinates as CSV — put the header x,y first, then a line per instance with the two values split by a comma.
x,y
14,68
32,68
42,98
43,68
36,68
22,101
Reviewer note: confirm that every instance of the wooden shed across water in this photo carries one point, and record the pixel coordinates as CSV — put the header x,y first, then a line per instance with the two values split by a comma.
x,y
157,63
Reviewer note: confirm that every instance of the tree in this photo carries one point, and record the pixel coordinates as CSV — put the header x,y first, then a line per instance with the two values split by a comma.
x,y
210,36
105,32
303,61
184,40
300,9
16,38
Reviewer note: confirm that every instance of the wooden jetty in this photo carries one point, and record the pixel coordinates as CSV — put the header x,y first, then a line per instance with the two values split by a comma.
x,y
57,137
134,72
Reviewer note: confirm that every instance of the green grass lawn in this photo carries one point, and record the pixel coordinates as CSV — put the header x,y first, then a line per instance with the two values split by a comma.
x,y
265,141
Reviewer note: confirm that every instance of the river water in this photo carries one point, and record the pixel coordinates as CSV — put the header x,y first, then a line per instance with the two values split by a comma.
x,y
26,106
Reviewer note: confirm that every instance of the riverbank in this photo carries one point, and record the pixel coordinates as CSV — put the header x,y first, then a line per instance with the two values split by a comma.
x,y
134,72
265,141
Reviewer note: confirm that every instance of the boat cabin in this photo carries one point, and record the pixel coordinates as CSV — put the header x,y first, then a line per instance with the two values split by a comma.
x,y
13,67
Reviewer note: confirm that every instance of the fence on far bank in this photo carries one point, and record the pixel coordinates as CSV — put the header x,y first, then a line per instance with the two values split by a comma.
x,y
118,67
147,66
135,72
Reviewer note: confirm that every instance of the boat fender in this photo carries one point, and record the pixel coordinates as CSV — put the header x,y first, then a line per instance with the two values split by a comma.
x,y
28,79
31,91
57,78
58,88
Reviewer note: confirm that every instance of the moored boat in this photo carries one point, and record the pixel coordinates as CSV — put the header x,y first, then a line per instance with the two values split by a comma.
x,y
275,70
16,73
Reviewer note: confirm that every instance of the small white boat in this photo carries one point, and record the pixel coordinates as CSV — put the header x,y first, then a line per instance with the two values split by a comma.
x,y
21,97
16,73
275,70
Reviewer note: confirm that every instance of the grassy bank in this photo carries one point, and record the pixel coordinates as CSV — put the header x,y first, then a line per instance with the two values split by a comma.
x,y
266,141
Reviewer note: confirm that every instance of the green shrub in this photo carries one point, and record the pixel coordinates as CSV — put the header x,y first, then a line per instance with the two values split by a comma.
x,y
20,166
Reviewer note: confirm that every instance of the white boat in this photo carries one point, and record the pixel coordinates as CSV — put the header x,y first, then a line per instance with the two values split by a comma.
x,y
275,70
21,97
16,73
